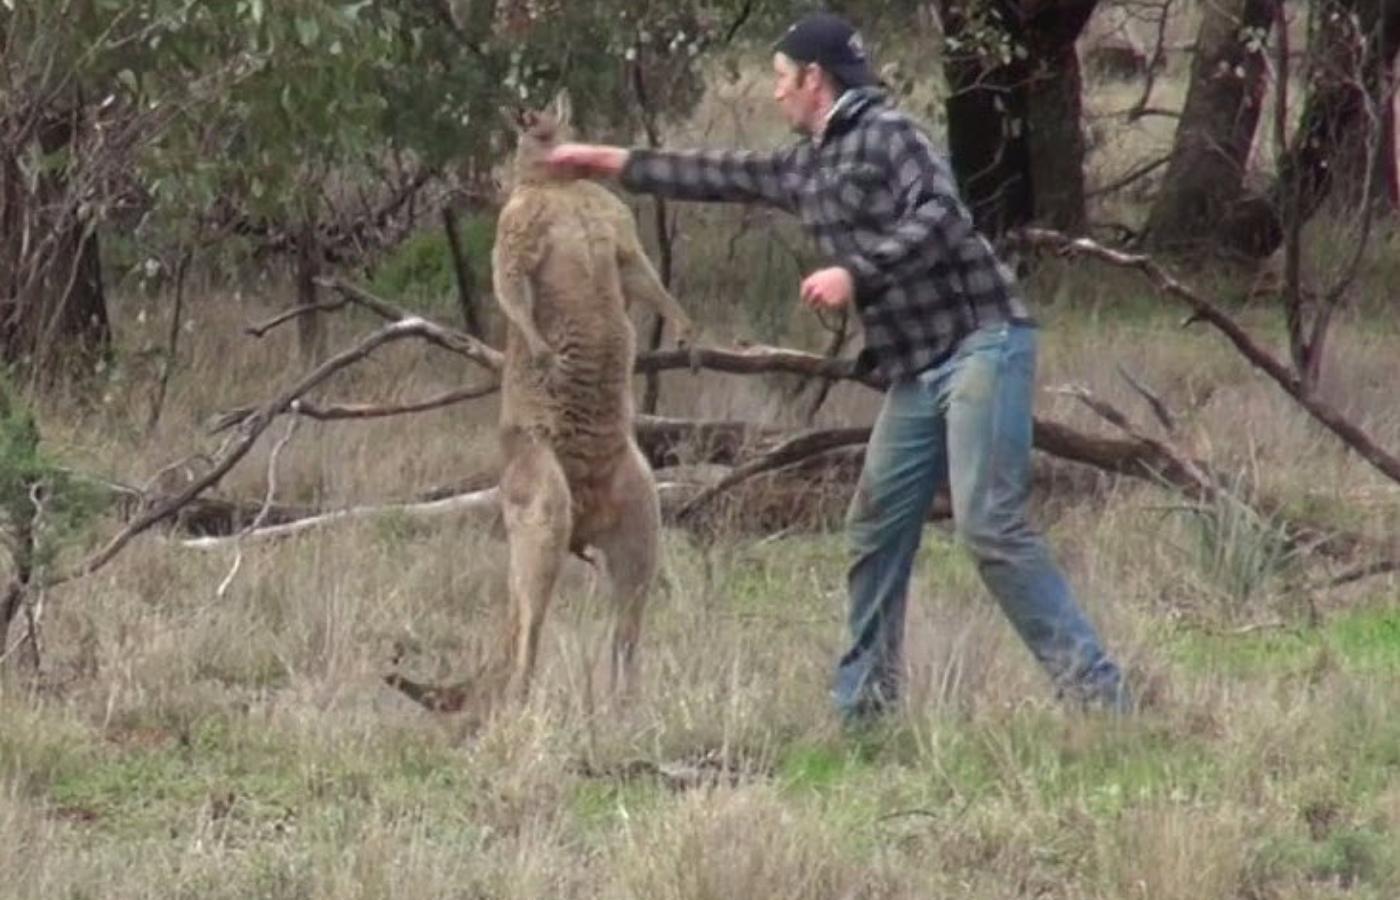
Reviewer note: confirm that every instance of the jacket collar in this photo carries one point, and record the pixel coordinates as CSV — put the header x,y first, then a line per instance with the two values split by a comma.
x,y
847,109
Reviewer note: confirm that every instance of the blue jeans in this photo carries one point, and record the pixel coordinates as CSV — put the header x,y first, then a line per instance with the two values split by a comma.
x,y
966,423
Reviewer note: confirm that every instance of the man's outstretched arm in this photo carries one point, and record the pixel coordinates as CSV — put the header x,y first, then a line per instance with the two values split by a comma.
x,y
737,176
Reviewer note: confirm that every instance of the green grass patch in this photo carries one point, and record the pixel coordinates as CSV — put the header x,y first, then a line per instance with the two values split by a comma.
x,y
1365,641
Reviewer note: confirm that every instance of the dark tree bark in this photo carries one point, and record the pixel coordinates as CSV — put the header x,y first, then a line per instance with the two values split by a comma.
x,y
990,152
1329,146
1014,119
311,338
1055,113
1372,58
461,266
1205,178
53,306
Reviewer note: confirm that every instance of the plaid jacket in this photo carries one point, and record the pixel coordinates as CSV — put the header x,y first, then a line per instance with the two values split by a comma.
x,y
880,202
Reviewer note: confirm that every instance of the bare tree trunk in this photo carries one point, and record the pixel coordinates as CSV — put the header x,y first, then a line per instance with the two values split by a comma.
x,y
1014,123
986,108
53,306
1205,177
311,338
461,265
1353,37
1354,152
1055,113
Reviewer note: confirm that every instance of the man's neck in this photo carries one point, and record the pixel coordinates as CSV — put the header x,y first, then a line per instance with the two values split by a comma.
x,y
824,119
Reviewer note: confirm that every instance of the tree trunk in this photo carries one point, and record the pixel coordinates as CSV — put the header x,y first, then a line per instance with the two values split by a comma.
x,y
1370,148
1056,114
311,338
1334,125
1205,177
1014,120
461,266
986,108
53,306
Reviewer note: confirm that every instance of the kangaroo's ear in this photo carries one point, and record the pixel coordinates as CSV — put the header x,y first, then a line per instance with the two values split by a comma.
x,y
562,108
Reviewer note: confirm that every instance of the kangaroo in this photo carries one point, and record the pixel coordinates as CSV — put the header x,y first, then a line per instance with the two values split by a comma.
x,y
567,262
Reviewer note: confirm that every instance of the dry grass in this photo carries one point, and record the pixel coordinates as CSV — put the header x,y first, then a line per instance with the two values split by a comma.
x,y
184,745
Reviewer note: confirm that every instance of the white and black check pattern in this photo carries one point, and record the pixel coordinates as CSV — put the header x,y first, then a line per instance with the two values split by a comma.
x,y
881,202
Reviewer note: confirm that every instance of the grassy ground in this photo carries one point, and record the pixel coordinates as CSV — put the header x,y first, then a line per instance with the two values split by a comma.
x,y
183,744
186,745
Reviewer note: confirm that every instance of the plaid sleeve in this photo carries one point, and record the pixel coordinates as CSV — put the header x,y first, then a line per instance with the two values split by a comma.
x,y
930,219
715,175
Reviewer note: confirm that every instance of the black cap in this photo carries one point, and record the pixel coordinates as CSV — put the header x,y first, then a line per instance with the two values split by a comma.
x,y
832,43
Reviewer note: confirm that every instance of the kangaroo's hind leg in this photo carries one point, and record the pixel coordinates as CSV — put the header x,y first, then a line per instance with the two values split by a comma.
x,y
631,546
538,517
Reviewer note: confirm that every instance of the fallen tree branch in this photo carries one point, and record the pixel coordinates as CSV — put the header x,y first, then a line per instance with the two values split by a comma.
x,y
758,359
475,501
1199,481
1360,573
251,430
485,502
337,412
1349,433
789,452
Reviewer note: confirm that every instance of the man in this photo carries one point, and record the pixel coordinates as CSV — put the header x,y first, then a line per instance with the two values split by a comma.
x,y
943,322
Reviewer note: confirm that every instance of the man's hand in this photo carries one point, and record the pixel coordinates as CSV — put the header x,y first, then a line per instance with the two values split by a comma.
x,y
830,288
588,159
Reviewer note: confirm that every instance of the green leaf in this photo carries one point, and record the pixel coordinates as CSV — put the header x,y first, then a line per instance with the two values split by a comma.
x,y
308,30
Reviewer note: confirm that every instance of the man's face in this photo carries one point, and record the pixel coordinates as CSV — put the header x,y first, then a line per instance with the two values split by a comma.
x,y
796,88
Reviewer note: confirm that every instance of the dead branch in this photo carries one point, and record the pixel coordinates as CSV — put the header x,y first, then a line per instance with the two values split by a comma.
x,y
1129,178
484,503
1154,400
1201,483
789,452
1360,573
250,431
337,412
475,501
1349,433
261,517
172,343
261,328
663,440
757,359
447,338
1156,61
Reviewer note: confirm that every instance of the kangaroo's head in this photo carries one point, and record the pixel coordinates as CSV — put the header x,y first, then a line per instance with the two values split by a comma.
x,y
537,132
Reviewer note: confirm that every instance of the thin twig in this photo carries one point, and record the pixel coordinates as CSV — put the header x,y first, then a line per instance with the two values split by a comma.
x,y
34,607
261,328
172,343
261,517
1133,175
1154,400
336,412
